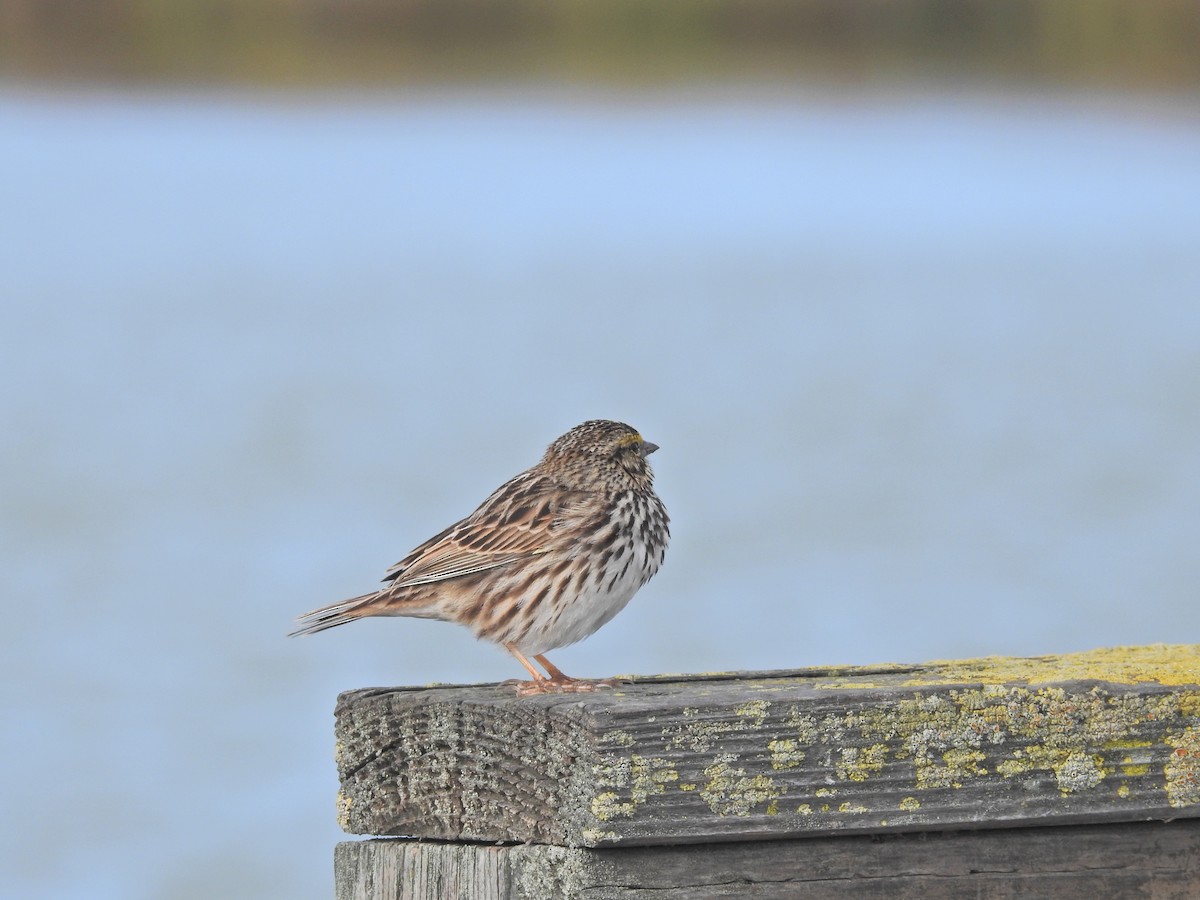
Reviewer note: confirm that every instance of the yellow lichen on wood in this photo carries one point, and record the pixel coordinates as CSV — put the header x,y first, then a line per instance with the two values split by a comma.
x,y
730,792
608,805
598,835
1006,718
1133,766
785,754
343,810
755,711
803,724
860,763
1169,664
644,776
700,734
953,736
956,766
1182,769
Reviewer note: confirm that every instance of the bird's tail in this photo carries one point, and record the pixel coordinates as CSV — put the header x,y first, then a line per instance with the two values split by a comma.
x,y
378,603
335,614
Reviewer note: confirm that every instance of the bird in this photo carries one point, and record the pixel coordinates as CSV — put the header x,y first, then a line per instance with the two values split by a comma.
x,y
551,556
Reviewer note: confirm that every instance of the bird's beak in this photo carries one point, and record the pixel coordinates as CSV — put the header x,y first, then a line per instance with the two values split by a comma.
x,y
648,448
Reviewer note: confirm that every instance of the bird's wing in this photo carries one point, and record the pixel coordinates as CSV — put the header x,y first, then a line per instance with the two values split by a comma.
x,y
520,520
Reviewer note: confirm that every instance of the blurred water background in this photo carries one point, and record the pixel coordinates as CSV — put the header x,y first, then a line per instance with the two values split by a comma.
x,y
909,294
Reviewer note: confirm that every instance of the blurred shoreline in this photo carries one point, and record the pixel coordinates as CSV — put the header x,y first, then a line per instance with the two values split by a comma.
x,y
1100,44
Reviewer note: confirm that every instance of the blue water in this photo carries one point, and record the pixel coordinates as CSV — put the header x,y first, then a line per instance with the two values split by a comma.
x,y
925,370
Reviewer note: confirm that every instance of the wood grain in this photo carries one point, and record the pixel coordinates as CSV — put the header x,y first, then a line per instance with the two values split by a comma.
x,y
1108,736
1154,861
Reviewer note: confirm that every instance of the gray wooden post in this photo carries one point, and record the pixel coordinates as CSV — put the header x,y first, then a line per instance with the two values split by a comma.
x,y
843,781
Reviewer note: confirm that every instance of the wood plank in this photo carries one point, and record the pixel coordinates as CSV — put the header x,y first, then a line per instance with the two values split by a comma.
x,y
1155,861
1106,736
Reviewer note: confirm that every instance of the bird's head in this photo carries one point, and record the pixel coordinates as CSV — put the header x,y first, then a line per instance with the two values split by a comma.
x,y
601,455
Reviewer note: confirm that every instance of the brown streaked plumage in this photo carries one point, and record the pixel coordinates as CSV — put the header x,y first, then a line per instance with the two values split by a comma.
x,y
547,559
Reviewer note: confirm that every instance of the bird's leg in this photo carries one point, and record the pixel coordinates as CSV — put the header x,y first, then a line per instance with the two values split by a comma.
x,y
561,681
538,685
556,673
558,681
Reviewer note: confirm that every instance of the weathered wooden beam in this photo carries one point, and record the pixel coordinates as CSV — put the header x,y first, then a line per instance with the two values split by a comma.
x,y
1107,736
1151,860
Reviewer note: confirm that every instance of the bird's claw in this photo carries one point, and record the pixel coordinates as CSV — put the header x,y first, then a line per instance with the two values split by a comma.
x,y
561,686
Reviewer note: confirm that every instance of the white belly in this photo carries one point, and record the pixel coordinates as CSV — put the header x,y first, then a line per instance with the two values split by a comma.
x,y
587,612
